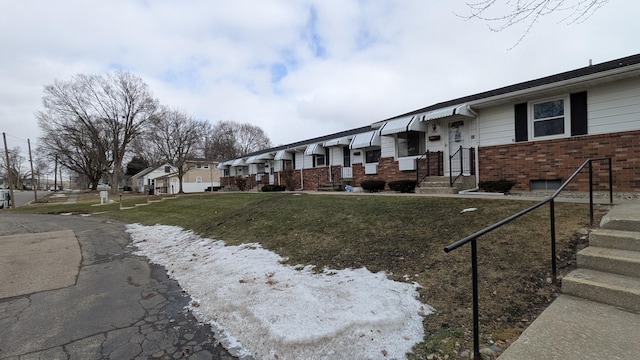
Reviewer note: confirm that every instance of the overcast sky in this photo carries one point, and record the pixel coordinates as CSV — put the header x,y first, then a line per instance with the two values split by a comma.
x,y
298,69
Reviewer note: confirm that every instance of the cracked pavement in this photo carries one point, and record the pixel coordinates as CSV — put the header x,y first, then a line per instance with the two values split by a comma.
x,y
120,307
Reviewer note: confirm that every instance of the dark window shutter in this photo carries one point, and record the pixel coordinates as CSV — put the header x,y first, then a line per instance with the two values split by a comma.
x,y
521,122
579,113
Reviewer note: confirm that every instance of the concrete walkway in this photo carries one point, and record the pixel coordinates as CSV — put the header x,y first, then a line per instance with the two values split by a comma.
x,y
577,329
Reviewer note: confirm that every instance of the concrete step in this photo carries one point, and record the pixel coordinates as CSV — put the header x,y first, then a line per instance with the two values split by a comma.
x,y
436,190
613,289
625,217
623,262
615,239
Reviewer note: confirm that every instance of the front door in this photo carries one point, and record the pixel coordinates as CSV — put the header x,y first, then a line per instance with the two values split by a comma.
x,y
457,139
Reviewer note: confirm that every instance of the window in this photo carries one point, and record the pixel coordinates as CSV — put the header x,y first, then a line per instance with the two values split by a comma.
x,y
167,169
372,155
225,172
548,118
321,160
202,166
199,179
411,143
552,118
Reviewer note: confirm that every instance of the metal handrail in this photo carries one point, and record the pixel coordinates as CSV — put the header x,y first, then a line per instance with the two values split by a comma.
x,y
451,179
426,155
551,200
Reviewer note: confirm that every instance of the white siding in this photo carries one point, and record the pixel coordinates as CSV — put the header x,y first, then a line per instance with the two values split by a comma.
x,y
197,187
614,107
357,159
307,161
497,125
388,146
335,153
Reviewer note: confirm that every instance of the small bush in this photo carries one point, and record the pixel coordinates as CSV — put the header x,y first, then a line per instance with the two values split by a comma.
x,y
268,188
403,186
212,188
241,182
501,186
373,186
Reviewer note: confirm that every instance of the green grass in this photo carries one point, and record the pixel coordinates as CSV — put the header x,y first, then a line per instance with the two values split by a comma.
x,y
401,235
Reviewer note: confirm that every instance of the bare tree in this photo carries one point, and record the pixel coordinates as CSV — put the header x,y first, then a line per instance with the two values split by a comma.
x,y
82,151
109,110
250,138
220,141
228,139
16,161
177,138
529,12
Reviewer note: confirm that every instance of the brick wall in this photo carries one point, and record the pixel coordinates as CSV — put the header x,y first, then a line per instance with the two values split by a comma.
x,y
559,158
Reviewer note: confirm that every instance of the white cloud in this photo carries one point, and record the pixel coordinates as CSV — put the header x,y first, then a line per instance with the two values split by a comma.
x,y
340,64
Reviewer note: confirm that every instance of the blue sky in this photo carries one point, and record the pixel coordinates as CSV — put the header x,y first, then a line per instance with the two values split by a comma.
x,y
298,69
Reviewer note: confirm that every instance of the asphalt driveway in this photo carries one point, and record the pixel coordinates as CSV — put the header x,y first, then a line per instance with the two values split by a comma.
x,y
72,289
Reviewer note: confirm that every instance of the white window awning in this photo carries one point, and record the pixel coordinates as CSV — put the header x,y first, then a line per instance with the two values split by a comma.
x,y
367,139
460,110
283,155
314,149
238,162
407,123
224,165
259,159
343,141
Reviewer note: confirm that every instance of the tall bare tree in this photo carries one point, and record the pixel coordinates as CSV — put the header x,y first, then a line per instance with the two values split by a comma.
x,y
111,110
177,138
228,139
15,166
75,147
530,12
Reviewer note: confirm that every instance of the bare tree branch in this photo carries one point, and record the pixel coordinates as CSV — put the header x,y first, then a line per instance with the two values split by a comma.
x,y
530,12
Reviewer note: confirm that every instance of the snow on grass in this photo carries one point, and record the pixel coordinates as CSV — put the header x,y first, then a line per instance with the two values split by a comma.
x,y
264,309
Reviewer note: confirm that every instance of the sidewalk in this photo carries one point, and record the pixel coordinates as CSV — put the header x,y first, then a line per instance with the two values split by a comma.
x,y
573,328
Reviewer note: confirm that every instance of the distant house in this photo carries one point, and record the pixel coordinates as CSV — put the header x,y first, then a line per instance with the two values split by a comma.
x,y
536,133
199,175
153,178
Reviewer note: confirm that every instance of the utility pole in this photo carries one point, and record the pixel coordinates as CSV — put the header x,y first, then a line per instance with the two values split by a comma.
x,y
55,175
35,186
6,153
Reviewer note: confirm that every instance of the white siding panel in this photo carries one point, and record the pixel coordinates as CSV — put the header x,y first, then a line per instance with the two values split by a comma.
x,y
614,107
307,161
336,155
496,125
387,146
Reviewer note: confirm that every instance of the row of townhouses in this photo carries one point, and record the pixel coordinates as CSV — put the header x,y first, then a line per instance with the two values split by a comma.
x,y
536,133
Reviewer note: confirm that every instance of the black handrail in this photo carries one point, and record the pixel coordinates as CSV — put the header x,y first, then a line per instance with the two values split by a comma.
x,y
551,200
427,156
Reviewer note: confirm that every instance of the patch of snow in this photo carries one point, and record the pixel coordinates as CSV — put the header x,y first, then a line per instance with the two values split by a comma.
x,y
468,210
264,309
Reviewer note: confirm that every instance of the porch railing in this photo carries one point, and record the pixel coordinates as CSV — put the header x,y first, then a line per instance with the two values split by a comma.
x,y
460,163
550,200
429,164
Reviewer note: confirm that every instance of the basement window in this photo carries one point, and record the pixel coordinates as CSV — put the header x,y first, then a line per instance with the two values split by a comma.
x,y
546,184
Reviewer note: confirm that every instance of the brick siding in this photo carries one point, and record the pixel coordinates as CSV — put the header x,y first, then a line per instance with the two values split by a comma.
x,y
558,159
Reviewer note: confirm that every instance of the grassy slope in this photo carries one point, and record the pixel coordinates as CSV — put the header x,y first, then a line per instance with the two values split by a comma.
x,y
403,236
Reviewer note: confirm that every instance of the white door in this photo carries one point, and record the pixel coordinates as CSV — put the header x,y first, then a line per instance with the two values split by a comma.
x,y
457,138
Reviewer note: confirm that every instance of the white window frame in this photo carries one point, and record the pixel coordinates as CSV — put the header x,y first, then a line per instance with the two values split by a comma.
x,y
199,179
567,118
